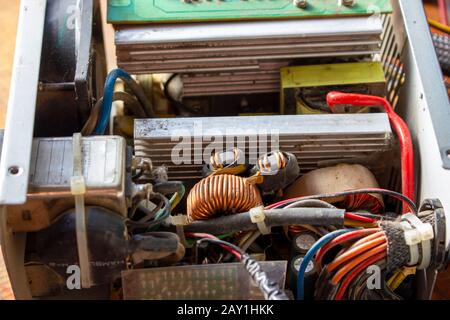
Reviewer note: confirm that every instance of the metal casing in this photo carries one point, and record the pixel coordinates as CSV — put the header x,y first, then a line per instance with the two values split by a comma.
x,y
51,170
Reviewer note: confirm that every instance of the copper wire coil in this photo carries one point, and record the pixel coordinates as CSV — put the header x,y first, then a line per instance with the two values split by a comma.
x,y
221,194
264,162
219,160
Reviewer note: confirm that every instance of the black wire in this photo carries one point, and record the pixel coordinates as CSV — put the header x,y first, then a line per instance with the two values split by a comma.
x,y
269,288
223,243
147,225
177,104
372,216
141,96
398,196
131,102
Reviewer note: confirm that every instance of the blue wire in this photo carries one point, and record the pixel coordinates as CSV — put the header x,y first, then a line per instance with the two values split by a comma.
x,y
105,113
310,254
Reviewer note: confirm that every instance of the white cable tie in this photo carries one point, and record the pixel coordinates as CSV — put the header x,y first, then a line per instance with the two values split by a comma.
x,y
179,222
78,190
258,217
412,239
426,234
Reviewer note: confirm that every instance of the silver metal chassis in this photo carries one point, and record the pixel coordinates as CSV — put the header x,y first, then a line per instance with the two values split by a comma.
x,y
15,160
423,102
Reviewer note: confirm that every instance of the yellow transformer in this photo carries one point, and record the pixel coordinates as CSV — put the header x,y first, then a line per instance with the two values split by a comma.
x,y
304,88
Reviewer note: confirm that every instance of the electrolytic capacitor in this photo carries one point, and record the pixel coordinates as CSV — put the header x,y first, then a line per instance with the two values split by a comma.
x,y
303,241
310,277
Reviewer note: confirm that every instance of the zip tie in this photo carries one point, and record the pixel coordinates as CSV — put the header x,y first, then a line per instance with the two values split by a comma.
x,y
412,239
426,234
258,217
78,190
179,222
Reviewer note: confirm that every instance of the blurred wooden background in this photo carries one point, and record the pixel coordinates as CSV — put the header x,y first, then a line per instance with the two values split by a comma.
x,y
8,23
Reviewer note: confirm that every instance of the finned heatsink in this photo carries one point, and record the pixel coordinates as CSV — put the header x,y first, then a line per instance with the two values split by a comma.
x,y
311,138
241,57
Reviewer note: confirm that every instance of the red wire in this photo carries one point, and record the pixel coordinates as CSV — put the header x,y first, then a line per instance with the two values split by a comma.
x,y
443,17
341,239
401,129
356,217
206,235
369,190
355,272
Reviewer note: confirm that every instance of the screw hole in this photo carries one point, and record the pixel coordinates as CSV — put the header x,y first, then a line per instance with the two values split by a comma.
x,y
15,170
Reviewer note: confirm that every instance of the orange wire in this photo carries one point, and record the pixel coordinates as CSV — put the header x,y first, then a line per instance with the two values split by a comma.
x,y
355,252
349,266
366,239
340,240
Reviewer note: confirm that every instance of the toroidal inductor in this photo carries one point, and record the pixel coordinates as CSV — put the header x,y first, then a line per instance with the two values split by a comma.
x,y
221,193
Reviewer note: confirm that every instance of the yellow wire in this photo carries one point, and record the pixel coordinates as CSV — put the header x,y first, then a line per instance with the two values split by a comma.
x,y
351,223
399,276
439,26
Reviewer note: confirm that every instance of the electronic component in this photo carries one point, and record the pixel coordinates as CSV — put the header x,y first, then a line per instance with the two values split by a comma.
x,y
327,171
111,249
278,170
240,57
161,11
303,241
222,193
304,88
229,281
226,162
311,138
339,178
310,275
49,194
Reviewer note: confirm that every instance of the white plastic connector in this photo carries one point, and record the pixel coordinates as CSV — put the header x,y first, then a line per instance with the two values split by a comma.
x,y
258,217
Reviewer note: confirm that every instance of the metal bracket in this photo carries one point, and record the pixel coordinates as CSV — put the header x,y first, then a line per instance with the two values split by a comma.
x,y
427,63
16,155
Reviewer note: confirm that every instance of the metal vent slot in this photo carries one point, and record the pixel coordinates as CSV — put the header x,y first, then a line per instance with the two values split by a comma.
x,y
391,59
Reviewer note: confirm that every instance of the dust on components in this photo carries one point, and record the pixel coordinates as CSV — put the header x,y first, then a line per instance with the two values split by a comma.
x,y
251,154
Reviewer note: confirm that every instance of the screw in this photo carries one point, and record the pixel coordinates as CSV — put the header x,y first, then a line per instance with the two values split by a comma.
x,y
301,3
348,3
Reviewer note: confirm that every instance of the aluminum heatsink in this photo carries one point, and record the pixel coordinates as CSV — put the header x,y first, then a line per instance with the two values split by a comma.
x,y
241,49
312,138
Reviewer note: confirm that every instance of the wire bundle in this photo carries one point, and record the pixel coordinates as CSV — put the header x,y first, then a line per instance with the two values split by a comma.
x,y
354,201
344,275
360,248
269,288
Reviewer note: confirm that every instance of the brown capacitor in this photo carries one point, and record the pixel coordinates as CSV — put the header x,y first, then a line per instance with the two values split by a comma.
x,y
222,193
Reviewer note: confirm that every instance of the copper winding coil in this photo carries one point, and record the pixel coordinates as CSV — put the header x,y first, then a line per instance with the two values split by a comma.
x,y
221,194
264,162
219,161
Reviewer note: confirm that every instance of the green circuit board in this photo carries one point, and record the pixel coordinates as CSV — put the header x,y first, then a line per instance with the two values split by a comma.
x,y
165,11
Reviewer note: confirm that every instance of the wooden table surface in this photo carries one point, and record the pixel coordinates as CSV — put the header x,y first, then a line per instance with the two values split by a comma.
x,y
8,24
